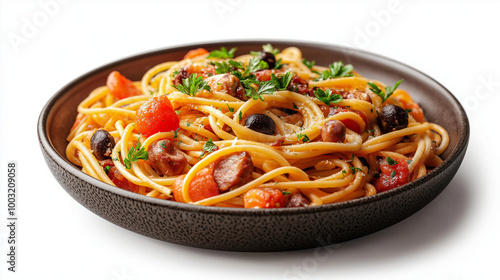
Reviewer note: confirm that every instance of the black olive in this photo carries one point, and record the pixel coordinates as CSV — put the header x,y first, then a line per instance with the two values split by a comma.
x,y
102,143
392,118
269,58
261,123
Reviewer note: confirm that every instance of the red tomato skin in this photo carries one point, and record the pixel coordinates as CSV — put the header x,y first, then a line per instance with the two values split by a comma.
x,y
156,115
121,87
195,53
121,182
264,198
386,181
202,186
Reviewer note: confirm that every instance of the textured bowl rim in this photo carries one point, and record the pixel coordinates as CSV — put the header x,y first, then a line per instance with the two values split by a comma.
x,y
46,144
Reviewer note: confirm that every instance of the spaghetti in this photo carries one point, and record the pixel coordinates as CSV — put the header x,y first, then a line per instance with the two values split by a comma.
x,y
266,129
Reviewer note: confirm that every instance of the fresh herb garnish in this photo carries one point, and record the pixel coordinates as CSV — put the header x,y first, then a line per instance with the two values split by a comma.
x,y
388,90
282,82
240,116
231,109
278,64
192,85
303,137
163,144
391,162
134,154
107,168
409,161
327,96
255,64
209,146
408,110
295,106
336,70
354,169
188,124
309,64
269,48
284,192
175,132
393,173
343,173
370,130
222,53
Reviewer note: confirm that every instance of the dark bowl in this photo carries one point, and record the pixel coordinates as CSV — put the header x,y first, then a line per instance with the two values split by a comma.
x,y
255,229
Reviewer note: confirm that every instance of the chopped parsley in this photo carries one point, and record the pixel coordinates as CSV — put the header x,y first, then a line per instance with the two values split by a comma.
x,y
269,48
209,147
327,96
370,130
240,116
393,173
192,85
336,70
282,82
391,162
231,109
188,124
175,132
283,192
255,64
354,169
388,90
408,110
409,161
278,64
295,106
163,144
134,154
303,137
309,64
222,53
107,168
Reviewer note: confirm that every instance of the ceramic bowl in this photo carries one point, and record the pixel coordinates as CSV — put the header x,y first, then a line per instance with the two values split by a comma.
x,y
255,229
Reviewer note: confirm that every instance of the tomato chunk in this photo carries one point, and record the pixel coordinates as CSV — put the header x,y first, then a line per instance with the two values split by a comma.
x,y
195,53
202,186
264,198
121,87
156,115
121,181
392,176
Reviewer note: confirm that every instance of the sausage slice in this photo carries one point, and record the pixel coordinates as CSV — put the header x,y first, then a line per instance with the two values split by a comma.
x,y
233,170
165,158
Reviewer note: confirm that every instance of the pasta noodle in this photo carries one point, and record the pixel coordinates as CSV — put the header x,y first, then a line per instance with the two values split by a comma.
x,y
306,105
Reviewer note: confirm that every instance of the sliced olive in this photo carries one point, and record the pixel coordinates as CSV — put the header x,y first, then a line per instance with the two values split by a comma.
x,y
392,118
269,58
261,123
102,143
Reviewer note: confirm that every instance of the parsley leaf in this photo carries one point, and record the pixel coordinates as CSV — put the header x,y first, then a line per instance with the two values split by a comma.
x,y
163,144
309,64
336,70
282,82
304,137
240,116
192,85
175,132
354,169
209,146
269,48
278,64
222,53
134,154
393,173
231,109
327,96
255,64
107,168
388,90
266,87
390,161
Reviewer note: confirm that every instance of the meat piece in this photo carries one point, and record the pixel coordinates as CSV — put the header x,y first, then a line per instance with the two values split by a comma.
x,y
228,84
299,85
120,181
165,158
233,170
298,200
333,131
199,70
183,74
356,94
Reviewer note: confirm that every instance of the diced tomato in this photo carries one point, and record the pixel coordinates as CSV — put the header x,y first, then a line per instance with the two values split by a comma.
x,y
202,186
120,181
195,53
156,115
392,176
351,124
79,119
264,75
121,87
264,198
416,112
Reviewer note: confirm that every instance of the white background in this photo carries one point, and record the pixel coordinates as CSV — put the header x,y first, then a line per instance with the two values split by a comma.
x,y
457,236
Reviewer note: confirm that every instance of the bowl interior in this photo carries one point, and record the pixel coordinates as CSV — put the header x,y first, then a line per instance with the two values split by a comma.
x,y
438,104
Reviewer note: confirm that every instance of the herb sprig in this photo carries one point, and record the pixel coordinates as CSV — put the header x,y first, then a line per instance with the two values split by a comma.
x,y
222,53
192,85
336,70
388,90
134,154
327,96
